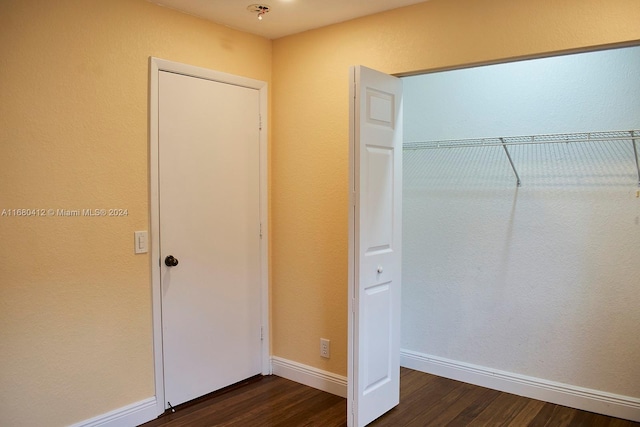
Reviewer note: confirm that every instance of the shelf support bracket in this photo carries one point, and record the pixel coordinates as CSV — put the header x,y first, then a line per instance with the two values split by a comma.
x,y
634,137
512,165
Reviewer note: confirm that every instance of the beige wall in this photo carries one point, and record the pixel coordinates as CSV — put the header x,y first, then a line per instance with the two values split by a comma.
x,y
75,306
310,130
75,302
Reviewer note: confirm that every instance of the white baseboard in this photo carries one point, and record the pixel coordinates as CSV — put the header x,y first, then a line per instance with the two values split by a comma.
x,y
601,402
310,376
127,416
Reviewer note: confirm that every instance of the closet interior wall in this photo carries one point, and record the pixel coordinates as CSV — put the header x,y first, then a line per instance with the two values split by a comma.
x,y
539,280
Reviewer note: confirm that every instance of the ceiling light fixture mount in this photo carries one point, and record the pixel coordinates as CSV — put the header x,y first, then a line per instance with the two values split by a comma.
x,y
260,9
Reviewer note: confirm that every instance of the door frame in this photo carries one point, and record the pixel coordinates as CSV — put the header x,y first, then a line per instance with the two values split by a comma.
x,y
156,65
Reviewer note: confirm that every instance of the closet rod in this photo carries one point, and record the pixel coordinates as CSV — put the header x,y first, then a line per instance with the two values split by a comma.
x,y
611,136
558,138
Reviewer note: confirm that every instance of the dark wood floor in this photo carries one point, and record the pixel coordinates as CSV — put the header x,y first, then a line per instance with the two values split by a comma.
x,y
426,400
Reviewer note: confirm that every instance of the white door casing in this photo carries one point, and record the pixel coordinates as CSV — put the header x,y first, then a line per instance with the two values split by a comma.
x,y
374,244
240,260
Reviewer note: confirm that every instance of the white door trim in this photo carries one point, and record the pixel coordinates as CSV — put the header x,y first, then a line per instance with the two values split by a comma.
x,y
155,66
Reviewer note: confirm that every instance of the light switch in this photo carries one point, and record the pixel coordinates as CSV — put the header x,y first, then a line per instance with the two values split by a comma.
x,y
141,242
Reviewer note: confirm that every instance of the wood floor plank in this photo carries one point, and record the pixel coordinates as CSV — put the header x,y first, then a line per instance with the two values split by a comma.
x,y
583,418
425,400
471,395
442,407
500,412
543,416
413,405
299,411
236,410
278,412
333,416
561,416
445,409
471,412
411,381
617,422
526,416
271,413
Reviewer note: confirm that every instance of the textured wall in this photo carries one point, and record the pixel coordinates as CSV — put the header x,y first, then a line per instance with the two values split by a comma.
x,y
540,280
75,302
310,131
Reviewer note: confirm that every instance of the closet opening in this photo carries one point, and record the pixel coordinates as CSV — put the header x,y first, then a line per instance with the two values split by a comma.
x,y
531,288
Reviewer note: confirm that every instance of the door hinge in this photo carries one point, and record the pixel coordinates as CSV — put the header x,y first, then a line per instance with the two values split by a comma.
x,y
261,333
260,230
260,122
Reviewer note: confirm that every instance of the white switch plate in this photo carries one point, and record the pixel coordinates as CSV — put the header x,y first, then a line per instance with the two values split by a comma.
x,y
141,242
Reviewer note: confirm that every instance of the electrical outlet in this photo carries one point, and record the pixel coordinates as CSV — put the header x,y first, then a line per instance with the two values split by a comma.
x,y
325,348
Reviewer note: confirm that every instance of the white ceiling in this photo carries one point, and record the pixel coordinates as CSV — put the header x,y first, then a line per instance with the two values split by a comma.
x,y
285,16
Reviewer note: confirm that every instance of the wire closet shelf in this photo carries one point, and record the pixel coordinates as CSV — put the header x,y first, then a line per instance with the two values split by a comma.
x,y
632,136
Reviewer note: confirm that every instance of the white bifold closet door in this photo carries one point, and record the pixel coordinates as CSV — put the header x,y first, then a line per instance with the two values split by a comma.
x,y
374,245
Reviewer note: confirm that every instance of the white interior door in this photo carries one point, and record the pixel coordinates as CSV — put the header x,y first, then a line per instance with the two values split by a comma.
x,y
209,220
375,245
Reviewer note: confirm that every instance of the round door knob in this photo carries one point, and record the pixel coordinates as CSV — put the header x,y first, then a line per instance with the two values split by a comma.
x,y
380,270
170,261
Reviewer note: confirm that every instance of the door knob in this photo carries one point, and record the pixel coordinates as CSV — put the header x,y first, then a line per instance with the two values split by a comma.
x,y
170,261
380,269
